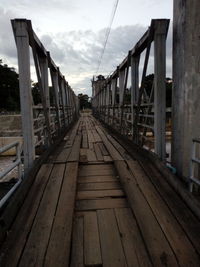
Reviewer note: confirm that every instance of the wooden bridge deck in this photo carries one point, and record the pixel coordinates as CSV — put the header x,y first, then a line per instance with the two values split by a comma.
x,y
91,204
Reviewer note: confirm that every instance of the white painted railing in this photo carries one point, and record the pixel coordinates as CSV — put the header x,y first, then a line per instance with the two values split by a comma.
x,y
16,163
43,124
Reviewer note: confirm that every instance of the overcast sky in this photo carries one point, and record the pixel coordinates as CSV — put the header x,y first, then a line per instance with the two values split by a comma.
x,y
74,32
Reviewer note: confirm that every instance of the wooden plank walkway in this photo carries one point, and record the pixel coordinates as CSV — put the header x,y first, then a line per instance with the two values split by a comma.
x,y
91,204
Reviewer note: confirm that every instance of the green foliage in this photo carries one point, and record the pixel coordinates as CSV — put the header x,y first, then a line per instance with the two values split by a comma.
x,y
84,101
148,86
36,94
9,88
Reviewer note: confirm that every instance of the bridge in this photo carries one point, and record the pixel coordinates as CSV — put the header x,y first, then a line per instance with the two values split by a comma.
x,y
96,187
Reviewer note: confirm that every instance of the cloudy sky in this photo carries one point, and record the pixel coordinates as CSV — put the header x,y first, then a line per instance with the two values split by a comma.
x,y
74,32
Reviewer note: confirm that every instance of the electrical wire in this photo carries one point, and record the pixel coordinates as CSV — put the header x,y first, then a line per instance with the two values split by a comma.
x,y
107,34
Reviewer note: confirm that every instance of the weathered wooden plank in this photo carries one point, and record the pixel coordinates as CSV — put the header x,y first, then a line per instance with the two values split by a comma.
x,y
119,147
182,247
85,140
72,135
63,156
134,246
98,152
83,155
90,136
60,240
93,163
180,210
13,247
111,149
52,157
159,249
96,170
37,242
92,250
97,179
99,186
74,155
111,247
94,167
77,257
97,137
104,151
101,204
91,146
99,194
91,155
107,159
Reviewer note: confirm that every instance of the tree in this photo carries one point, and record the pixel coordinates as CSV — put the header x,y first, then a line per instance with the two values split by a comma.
x,y
84,101
9,88
36,94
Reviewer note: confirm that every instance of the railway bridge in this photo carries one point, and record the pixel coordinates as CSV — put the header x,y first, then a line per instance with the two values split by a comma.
x,y
97,188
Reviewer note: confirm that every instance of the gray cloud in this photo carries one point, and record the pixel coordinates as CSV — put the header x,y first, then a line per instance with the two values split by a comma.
x,y
77,52
40,5
7,43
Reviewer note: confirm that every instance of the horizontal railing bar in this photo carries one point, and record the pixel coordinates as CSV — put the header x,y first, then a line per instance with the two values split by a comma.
x,y
196,140
195,180
146,115
9,193
196,160
146,125
10,168
7,147
145,104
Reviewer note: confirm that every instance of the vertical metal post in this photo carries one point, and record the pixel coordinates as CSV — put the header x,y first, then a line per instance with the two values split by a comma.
x,y
104,100
44,78
62,99
45,86
113,87
54,78
22,43
134,85
121,87
18,154
121,97
108,101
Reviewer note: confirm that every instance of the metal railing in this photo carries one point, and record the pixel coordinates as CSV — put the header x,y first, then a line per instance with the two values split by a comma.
x,y
124,103
194,161
16,163
57,105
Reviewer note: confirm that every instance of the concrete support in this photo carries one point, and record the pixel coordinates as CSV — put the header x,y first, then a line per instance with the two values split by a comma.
x,y
186,77
160,88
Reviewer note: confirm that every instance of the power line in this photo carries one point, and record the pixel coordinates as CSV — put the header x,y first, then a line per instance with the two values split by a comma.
x,y
107,34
